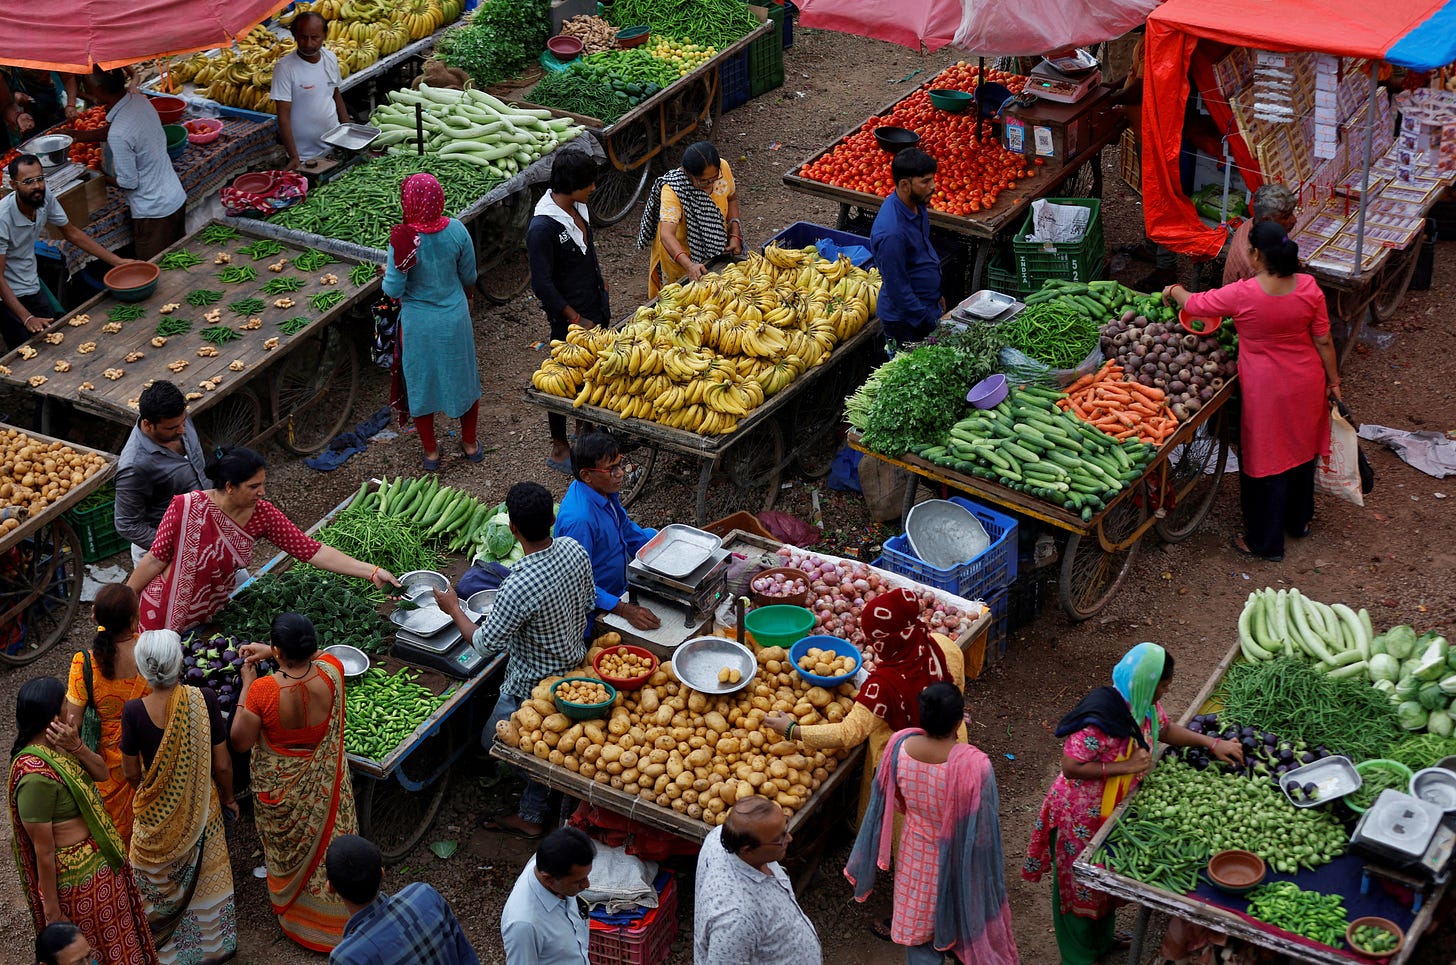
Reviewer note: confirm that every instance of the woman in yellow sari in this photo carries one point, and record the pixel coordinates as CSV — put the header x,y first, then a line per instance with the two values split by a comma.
x,y
174,751
302,795
105,677
691,218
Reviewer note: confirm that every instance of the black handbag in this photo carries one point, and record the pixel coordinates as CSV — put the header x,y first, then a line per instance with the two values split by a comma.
x,y
385,313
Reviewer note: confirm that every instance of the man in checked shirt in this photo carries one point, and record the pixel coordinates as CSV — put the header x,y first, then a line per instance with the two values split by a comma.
x,y
539,618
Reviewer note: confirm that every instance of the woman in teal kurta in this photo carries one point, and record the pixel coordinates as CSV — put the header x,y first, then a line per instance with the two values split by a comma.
x,y
431,270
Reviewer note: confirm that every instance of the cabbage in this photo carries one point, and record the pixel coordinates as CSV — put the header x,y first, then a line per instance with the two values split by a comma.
x,y
1399,642
1412,716
1432,697
1448,685
1439,722
1432,661
1451,658
1384,667
1386,687
1407,686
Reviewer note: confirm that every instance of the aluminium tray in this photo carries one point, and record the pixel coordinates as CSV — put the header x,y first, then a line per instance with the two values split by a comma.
x,y
677,550
1335,777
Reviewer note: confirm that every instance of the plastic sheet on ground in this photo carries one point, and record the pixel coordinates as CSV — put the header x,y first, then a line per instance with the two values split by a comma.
x,y
1433,453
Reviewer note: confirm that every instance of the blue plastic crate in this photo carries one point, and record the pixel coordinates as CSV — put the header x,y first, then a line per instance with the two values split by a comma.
x,y
982,577
999,630
802,233
733,81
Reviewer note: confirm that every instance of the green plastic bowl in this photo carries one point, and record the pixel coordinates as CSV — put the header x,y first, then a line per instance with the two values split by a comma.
x,y
176,139
778,625
583,711
954,101
633,36
1379,763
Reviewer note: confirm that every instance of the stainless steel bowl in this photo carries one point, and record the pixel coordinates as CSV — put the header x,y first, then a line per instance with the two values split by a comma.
x,y
1435,785
429,578
52,149
479,604
355,661
698,661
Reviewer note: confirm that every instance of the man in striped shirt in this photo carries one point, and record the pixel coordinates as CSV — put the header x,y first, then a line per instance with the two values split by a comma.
x,y
539,619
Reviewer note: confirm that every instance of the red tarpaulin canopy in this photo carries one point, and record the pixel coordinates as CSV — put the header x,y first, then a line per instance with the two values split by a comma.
x,y
1419,34
76,36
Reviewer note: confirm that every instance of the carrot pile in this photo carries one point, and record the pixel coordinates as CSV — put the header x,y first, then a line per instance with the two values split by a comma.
x,y
1123,410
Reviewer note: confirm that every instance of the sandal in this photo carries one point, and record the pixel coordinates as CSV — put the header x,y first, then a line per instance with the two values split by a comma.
x,y
430,465
495,824
1239,546
881,929
477,456
562,466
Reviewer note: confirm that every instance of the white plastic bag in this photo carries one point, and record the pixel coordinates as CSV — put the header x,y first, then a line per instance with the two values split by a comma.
x,y
1339,473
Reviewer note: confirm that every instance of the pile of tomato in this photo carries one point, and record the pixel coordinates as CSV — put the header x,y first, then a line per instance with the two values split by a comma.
x,y
972,172
88,153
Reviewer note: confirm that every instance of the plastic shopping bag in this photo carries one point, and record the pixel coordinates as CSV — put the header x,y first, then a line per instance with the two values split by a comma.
x,y
1339,472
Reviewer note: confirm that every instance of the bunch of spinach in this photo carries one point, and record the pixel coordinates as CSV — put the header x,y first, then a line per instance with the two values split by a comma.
x,y
919,394
499,41
339,613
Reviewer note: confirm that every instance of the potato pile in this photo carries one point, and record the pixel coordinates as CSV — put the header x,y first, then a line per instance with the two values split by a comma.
x,y
34,474
620,663
825,663
692,752
582,692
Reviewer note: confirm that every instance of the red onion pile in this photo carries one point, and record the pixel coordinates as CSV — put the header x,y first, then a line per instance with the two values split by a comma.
x,y
779,585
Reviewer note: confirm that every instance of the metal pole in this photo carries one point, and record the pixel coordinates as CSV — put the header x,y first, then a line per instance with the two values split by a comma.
x,y
1365,168
980,118
1228,172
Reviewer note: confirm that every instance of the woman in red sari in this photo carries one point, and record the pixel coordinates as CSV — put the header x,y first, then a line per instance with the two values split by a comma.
x,y
207,536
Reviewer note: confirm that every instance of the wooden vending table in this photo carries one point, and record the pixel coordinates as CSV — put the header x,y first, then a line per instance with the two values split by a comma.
x,y
41,569
312,374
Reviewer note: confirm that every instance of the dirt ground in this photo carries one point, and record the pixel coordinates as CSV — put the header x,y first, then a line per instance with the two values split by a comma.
x,y
1394,556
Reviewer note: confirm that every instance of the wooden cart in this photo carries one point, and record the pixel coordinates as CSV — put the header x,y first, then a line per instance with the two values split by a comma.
x,y
41,569
748,462
1150,898
1173,495
312,375
1376,293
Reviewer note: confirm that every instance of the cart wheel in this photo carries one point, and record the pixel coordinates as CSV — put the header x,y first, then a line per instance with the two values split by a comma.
x,y
1090,573
1394,282
500,253
40,592
1198,470
639,456
816,420
747,476
236,420
1085,182
312,393
625,177
394,818
691,112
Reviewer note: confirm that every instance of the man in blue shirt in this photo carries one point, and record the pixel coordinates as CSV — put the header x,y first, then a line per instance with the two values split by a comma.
x,y
413,926
592,514
910,302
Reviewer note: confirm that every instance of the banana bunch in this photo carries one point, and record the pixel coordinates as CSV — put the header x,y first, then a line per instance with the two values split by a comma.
x,y
366,11
353,55
420,17
328,9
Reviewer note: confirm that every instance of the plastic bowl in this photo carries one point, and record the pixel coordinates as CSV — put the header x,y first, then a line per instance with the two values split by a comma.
x,y
355,661
954,101
633,36
895,139
176,139
1197,325
824,642
1236,872
793,599
779,625
133,281
203,130
1382,923
626,683
989,392
583,711
1379,763
169,109
565,48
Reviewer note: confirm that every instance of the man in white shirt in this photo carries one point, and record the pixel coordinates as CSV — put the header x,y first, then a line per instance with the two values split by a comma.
x,y
306,90
24,214
136,152
543,923
745,909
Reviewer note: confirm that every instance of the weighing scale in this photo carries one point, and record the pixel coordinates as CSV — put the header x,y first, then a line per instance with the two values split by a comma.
x,y
1050,84
428,637
1406,840
697,593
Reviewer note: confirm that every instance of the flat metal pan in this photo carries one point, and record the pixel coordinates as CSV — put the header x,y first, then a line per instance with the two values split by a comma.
x,y
677,550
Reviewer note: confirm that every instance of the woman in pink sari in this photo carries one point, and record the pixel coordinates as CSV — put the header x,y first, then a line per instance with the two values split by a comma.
x,y
207,536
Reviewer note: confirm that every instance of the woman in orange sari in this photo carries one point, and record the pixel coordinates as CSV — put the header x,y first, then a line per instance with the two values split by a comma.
x,y
302,795
106,678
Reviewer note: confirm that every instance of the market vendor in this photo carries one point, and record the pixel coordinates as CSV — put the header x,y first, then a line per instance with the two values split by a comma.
x,y
910,302
539,618
32,101
184,581
24,215
307,93
1110,737
593,515
162,459
136,157
1271,202
691,218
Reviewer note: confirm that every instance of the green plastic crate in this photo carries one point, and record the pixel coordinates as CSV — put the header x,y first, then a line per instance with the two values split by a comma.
x,y
96,526
1037,262
766,61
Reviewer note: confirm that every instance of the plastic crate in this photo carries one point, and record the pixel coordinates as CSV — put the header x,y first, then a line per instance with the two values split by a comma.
x,y
999,630
1073,261
1004,280
1024,600
801,234
646,943
96,528
733,81
1130,164
979,579
786,11
766,60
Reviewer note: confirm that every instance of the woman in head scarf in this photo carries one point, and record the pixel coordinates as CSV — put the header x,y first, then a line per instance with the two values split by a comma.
x,y
431,270
1110,738
691,218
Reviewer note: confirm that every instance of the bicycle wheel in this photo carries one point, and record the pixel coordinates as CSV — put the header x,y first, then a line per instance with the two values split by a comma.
x,y
1091,573
312,391
503,271
1198,469
236,420
40,593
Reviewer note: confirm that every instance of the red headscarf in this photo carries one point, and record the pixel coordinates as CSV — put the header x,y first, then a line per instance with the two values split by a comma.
x,y
423,201
908,660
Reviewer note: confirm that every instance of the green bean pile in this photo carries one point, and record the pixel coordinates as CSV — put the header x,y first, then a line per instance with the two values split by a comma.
x,y
238,274
392,542
294,325
716,23
1374,779
173,326
383,710
203,296
324,301
219,335
362,204
1290,698
247,306
126,313
580,90
282,286
362,274
217,234
262,248
1053,334
1285,905
178,259
313,260
1152,852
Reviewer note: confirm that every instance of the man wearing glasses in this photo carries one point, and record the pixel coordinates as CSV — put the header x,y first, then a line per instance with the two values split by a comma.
x,y
24,214
592,514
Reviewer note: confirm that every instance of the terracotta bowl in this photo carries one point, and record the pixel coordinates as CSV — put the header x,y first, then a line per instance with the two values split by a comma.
x,y
133,274
252,183
1237,871
1381,923
565,48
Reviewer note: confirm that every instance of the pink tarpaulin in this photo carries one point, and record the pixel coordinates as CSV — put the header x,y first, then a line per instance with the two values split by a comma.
x,y
76,36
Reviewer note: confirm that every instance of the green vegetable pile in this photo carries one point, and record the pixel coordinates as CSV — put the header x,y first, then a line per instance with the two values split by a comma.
x,y
1418,674
590,91
1374,939
262,248
1285,905
1152,852
1222,811
247,306
501,39
323,301
362,273
218,234
126,313
283,286
1376,777
178,259
1297,702
715,23
172,325
312,260
219,335
911,400
200,297
1030,445
381,711
238,274
294,325
1421,750
634,66
396,544
1057,336
339,613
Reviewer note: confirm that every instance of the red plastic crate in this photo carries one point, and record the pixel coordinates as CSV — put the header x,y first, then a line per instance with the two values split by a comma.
x,y
646,943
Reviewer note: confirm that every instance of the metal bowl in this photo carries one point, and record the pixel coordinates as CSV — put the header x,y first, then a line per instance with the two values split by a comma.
x,y
1437,786
945,534
429,578
355,661
52,149
697,662
479,604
